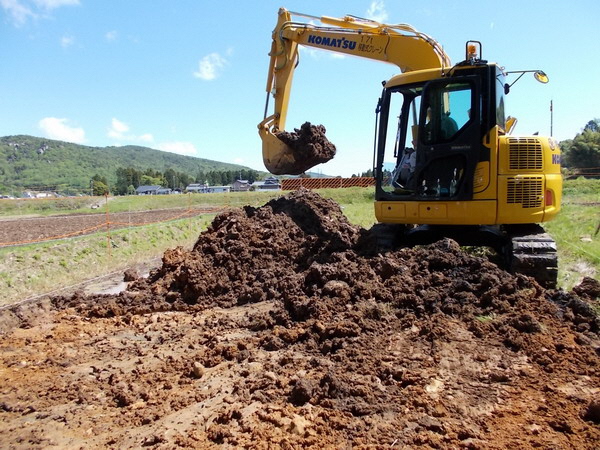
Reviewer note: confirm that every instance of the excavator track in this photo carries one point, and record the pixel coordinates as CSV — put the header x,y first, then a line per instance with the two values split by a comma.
x,y
532,252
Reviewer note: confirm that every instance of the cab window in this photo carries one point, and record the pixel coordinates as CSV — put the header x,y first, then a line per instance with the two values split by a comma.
x,y
446,110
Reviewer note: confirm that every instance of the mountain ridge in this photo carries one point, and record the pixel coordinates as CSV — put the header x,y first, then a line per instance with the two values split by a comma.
x,y
30,161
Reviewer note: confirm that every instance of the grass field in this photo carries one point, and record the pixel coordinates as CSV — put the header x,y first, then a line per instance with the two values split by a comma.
x,y
38,268
90,205
576,231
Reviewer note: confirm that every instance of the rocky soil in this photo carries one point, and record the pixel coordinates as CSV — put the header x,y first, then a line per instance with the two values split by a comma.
x,y
282,328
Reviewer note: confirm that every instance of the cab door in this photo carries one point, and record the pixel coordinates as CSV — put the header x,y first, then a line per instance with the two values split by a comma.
x,y
450,139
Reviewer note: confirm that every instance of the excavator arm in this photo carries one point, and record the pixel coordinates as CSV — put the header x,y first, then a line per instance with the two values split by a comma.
x,y
400,45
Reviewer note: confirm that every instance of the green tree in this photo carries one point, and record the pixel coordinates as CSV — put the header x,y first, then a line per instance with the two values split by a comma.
x,y
99,188
148,180
171,178
99,185
248,174
225,178
126,177
593,125
368,173
584,150
184,180
100,178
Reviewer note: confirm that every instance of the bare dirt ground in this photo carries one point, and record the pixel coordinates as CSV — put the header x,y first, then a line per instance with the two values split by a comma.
x,y
282,328
23,230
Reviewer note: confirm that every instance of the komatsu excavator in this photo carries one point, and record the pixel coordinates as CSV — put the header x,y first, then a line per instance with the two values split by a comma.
x,y
446,163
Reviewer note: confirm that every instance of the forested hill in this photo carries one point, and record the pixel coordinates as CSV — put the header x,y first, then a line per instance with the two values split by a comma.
x,y
28,162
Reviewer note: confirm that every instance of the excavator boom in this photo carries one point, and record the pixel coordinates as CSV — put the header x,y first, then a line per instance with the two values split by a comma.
x,y
401,45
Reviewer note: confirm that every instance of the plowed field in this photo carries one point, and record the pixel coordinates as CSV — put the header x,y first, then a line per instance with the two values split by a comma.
x,y
282,328
33,229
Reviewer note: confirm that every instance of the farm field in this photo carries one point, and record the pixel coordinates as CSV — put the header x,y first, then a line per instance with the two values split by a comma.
x,y
41,229
277,325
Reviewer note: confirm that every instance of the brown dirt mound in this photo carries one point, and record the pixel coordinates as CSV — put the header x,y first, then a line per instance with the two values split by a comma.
x,y
309,146
281,327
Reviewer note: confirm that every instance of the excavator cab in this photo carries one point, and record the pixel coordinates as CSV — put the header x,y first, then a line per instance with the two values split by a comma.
x,y
440,128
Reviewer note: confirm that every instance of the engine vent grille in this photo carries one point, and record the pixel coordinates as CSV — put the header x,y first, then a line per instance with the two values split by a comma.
x,y
526,191
525,153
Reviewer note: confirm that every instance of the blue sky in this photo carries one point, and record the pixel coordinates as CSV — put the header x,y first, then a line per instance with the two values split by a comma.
x,y
188,76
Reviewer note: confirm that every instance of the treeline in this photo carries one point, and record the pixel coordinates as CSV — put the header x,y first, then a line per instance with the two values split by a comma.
x,y
367,173
129,179
583,151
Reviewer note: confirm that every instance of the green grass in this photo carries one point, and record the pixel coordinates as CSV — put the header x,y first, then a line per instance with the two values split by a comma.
x,y
45,207
29,270
574,231
356,203
98,205
578,245
581,190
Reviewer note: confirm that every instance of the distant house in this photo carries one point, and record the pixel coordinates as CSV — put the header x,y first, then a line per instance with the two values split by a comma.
x,y
269,184
197,188
164,191
147,190
30,194
206,189
213,189
240,186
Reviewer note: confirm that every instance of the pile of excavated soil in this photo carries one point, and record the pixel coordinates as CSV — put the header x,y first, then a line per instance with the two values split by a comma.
x,y
282,327
308,145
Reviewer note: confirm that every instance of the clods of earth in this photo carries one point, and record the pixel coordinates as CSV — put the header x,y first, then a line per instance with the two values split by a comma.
x,y
308,145
283,328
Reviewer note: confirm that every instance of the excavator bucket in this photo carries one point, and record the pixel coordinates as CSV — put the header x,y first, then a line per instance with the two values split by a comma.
x,y
278,157
294,153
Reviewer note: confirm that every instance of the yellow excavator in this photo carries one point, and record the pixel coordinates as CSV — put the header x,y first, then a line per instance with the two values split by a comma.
x,y
446,163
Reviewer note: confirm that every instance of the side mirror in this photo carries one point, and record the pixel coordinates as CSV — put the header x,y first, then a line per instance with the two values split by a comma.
x,y
539,75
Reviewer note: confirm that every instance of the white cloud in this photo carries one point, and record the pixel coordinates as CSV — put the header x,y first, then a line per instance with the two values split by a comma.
x,y
111,35
210,66
67,41
52,4
181,148
119,131
18,12
55,128
22,10
239,160
377,11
